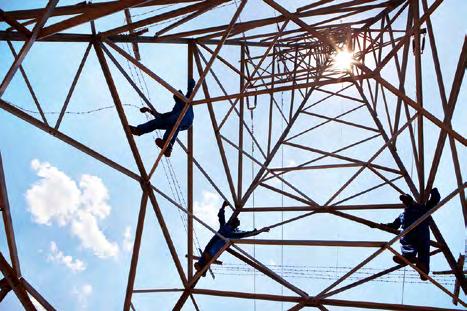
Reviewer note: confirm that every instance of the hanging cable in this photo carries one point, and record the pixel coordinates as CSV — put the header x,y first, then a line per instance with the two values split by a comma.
x,y
328,273
282,190
174,19
403,278
169,171
340,140
83,112
253,194
403,287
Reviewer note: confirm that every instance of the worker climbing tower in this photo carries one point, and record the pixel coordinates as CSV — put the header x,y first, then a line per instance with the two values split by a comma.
x,y
311,119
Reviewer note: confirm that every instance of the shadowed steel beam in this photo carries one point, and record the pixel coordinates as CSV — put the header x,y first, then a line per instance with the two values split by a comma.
x,y
215,127
312,208
15,284
71,37
392,241
314,302
13,23
82,7
414,105
144,177
271,155
28,83
390,145
201,79
313,84
161,17
89,16
146,70
260,267
429,278
8,225
33,292
444,100
67,139
310,243
305,43
72,87
240,127
27,46
449,112
135,252
190,185
372,277
134,45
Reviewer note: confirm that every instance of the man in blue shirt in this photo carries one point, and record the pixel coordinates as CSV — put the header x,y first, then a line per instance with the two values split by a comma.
x,y
166,121
416,241
228,230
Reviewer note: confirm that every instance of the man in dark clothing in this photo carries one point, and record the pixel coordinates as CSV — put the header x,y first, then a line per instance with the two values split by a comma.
x,y
228,230
416,241
166,121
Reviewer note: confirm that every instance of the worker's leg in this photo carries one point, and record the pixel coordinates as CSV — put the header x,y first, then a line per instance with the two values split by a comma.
x,y
408,251
205,257
424,255
160,142
161,122
174,137
184,125
202,261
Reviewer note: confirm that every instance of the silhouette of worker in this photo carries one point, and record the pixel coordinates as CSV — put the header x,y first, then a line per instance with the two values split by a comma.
x,y
228,230
166,121
416,241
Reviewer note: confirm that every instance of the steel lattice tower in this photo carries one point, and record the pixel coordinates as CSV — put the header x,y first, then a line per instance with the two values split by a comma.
x,y
372,118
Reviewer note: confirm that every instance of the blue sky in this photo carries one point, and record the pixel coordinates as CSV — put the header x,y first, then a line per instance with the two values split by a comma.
x,y
94,277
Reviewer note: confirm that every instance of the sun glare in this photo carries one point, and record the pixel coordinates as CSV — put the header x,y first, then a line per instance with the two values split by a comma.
x,y
343,60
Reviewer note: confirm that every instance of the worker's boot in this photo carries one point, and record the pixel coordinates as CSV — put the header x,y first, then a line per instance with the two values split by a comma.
x,y
160,144
199,267
399,260
424,269
135,130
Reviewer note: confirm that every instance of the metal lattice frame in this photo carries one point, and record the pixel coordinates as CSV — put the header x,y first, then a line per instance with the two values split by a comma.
x,y
293,59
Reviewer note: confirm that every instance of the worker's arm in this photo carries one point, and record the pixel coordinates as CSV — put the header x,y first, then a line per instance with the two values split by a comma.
x,y
221,214
147,109
395,224
245,234
191,86
434,199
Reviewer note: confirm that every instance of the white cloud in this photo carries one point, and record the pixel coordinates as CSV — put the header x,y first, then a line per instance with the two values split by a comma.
x,y
127,243
85,227
58,256
82,294
94,196
56,198
208,208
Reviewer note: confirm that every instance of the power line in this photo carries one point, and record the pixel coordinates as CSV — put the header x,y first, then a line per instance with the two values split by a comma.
x,y
71,112
328,273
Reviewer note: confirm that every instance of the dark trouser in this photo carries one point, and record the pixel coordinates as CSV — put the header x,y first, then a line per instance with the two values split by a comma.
x,y
204,259
165,121
418,245
211,250
424,255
